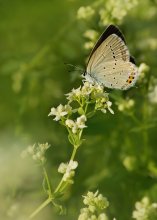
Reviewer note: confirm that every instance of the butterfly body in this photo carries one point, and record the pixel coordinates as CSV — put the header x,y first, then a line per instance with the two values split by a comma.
x,y
110,63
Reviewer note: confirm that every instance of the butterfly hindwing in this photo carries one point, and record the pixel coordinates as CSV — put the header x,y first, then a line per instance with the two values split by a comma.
x,y
122,77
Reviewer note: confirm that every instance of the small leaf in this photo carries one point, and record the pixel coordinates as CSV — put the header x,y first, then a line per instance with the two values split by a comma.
x,y
71,140
44,184
90,114
60,208
81,111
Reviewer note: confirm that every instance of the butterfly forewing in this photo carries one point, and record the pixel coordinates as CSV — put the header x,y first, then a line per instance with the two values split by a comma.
x,y
112,49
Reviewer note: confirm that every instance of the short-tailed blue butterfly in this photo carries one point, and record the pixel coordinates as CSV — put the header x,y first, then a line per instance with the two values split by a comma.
x,y
110,63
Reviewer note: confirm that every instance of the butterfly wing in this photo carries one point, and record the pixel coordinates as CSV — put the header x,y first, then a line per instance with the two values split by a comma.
x,y
110,63
123,76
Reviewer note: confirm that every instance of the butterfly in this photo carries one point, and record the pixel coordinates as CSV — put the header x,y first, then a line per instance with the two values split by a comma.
x,y
110,63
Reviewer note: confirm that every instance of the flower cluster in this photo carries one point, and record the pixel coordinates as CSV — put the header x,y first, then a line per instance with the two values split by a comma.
x,y
85,12
68,170
115,10
125,104
143,69
93,93
95,205
108,12
91,35
76,125
152,96
37,152
88,94
145,210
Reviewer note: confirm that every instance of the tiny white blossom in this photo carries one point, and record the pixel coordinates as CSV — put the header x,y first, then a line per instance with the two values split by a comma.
x,y
68,170
70,123
143,68
152,96
102,216
74,129
73,164
85,12
145,210
75,93
104,110
81,121
95,205
60,111
76,125
62,168
88,45
124,105
91,34
109,104
30,149
37,152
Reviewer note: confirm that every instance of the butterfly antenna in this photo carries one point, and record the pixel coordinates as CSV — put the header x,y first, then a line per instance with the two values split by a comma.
x,y
76,68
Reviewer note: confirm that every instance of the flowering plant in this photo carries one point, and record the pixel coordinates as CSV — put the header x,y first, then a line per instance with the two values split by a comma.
x,y
82,104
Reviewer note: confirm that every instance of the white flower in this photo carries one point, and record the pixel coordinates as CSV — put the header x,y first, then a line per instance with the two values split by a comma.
x,y
43,147
109,104
70,123
60,111
87,88
81,121
145,210
68,170
75,93
31,149
94,203
102,216
85,12
88,45
76,125
125,104
152,96
143,69
73,164
62,168
37,152
91,34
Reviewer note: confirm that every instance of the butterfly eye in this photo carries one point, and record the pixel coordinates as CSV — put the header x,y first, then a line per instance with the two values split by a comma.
x,y
84,73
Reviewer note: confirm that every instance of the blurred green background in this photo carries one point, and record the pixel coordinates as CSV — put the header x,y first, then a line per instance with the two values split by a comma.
x,y
119,155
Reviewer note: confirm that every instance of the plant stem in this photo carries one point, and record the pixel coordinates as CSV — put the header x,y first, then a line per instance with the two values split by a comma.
x,y
62,185
44,204
61,182
47,181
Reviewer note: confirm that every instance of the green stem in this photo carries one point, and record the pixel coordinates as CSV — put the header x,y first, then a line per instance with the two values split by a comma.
x,y
62,182
62,185
47,181
73,153
44,204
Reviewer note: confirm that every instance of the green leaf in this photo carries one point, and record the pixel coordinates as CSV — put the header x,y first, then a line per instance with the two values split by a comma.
x,y
90,114
71,140
81,111
45,188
